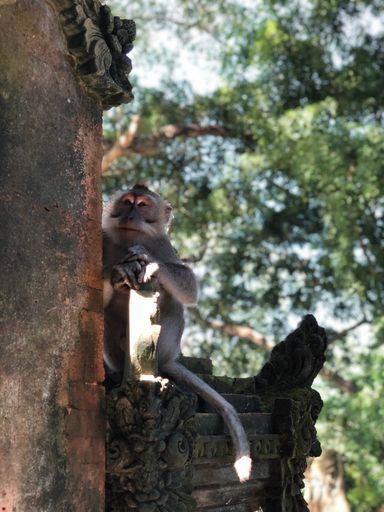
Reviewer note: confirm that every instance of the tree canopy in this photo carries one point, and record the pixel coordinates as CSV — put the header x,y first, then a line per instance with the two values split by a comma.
x,y
276,173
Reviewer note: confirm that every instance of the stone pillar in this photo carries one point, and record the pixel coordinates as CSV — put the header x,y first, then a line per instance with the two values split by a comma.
x,y
52,421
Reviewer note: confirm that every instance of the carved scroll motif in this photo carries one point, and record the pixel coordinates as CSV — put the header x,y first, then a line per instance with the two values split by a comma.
x,y
150,444
296,361
294,420
99,42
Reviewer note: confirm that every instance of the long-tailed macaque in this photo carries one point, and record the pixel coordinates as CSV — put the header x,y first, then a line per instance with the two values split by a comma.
x,y
137,248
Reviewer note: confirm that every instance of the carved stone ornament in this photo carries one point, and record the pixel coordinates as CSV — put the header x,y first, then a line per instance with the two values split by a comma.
x,y
161,456
294,420
150,444
99,42
297,360
216,447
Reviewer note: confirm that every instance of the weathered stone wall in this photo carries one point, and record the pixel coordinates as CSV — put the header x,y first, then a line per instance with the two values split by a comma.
x,y
51,400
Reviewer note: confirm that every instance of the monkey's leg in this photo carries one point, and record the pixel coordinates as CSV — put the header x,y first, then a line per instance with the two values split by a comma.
x,y
243,463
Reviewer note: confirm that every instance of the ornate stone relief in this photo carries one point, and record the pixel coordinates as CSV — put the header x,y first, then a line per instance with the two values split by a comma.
x,y
297,360
150,444
214,447
294,420
286,378
99,42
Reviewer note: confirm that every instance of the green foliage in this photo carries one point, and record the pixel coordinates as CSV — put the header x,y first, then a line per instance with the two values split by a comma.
x,y
357,431
287,207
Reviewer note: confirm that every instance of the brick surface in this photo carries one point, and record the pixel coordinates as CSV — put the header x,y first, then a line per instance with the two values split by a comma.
x,y
51,403
85,396
87,424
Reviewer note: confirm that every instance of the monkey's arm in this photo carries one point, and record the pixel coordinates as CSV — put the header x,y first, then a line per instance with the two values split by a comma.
x,y
179,281
175,277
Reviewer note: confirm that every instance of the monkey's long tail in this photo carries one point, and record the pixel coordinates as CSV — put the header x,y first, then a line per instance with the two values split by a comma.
x,y
243,463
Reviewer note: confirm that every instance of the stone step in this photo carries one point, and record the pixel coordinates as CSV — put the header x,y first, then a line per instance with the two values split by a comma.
x,y
242,403
220,473
198,365
230,508
249,494
230,385
210,424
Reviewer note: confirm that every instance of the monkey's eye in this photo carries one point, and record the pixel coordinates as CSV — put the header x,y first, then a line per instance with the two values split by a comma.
x,y
127,201
141,203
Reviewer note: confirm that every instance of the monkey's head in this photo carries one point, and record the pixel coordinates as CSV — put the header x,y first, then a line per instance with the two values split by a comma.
x,y
136,213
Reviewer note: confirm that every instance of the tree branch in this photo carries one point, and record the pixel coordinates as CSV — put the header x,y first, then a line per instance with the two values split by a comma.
x,y
247,333
338,335
187,25
240,331
347,386
148,145
122,143
169,19
197,257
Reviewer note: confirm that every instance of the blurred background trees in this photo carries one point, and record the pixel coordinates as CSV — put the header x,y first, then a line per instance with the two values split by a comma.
x,y
262,123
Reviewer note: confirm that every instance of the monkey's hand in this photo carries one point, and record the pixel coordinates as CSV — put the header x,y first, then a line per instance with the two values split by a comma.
x,y
136,268
138,253
124,276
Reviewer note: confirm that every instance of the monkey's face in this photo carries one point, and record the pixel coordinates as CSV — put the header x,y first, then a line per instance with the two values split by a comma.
x,y
135,214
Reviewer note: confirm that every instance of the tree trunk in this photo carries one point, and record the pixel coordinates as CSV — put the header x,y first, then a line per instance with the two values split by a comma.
x,y
325,490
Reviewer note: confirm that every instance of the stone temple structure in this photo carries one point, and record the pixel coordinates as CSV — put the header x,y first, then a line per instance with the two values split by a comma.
x,y
169,451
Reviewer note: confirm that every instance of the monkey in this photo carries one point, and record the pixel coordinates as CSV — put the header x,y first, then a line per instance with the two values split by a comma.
x,y
137,249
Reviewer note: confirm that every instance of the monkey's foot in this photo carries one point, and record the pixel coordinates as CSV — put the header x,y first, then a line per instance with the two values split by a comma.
x,y
243,468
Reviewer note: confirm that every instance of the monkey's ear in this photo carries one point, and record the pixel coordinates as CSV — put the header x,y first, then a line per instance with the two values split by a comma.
x,y
168,213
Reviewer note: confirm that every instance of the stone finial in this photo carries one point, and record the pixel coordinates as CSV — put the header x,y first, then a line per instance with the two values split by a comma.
x,y
297,360
99,42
